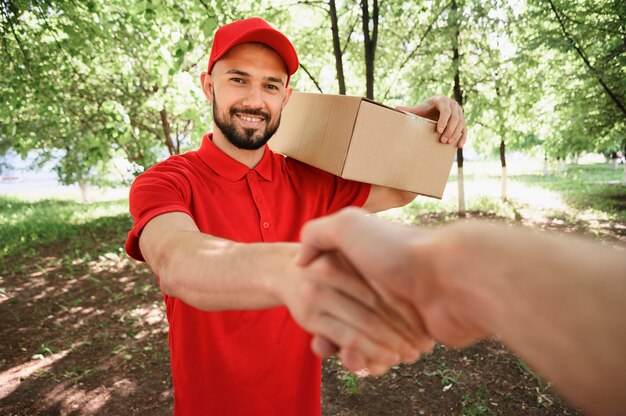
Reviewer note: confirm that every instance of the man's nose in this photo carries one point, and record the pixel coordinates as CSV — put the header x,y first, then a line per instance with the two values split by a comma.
x,y
253,98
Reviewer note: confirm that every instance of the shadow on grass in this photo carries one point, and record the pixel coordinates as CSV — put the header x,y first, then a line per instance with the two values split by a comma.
x,y
84,328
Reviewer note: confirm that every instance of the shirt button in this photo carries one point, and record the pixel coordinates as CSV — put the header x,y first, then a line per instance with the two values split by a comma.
x,y
266,224
258,198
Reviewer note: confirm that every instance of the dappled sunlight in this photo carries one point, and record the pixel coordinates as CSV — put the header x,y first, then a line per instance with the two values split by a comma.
x,y
535,196
32,284
87,403
112,303
10,379
110,262
4,295
150,315
76,401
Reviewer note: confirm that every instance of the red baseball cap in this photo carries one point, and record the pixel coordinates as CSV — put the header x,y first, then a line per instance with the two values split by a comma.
x,y
253,29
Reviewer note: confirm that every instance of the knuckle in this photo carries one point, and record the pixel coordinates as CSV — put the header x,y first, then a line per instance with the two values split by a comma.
x,y
310,291
351,340
323,272
369,320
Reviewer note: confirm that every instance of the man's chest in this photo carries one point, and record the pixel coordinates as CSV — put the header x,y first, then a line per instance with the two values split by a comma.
x,y
253,210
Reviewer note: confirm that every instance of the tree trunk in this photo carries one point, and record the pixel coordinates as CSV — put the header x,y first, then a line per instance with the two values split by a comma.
x,y
545,165
334,27
503,162
369,41
503,178
624,155
458,96
82,184
167,133
460,180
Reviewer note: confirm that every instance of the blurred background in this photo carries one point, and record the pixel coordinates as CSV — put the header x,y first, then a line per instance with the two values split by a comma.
x,y
94,92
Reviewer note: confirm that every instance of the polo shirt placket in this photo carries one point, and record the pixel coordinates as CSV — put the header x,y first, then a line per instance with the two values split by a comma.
x,y
266,223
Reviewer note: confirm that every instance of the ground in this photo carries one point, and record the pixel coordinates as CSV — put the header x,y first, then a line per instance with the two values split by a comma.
x,y
84,333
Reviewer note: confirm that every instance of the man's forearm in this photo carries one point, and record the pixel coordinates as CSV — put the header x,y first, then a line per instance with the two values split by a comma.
x,y
214,274
326,298
211,273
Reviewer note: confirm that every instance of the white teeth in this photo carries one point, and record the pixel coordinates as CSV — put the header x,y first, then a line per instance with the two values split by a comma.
x,y
251,119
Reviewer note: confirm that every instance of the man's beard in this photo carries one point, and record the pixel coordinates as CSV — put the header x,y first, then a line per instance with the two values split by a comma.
x,y
243,138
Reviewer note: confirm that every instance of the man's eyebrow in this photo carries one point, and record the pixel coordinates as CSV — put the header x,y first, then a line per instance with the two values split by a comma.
x,y
238,72
245,74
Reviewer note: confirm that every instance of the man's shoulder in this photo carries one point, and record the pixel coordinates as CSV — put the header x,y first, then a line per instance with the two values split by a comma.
x,y
186,160
176,168
294,166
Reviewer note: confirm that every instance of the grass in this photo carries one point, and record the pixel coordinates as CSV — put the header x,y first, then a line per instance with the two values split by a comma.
x,y
351,385
28,226
448,376
476,404
583,192
584,187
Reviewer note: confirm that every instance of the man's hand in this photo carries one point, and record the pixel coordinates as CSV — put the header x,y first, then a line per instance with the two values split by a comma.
x,y
329,299
449,117
403,266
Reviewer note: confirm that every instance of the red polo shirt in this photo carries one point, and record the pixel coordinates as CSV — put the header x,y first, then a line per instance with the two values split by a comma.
x,y
240,362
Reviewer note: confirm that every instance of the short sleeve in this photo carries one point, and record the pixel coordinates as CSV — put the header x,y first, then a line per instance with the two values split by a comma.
x,y
330,192
162,189
347,193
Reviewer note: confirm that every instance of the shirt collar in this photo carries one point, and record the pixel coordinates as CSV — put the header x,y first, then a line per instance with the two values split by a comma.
x,y
229,168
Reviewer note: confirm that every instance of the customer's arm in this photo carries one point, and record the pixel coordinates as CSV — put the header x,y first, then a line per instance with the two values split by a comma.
x,y
557,301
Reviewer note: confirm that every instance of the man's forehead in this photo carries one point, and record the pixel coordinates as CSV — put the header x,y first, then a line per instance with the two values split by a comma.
x,y
243,50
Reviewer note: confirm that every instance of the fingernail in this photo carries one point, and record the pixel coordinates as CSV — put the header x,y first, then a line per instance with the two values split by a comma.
x,y
412,356
440,129
444,139
393,359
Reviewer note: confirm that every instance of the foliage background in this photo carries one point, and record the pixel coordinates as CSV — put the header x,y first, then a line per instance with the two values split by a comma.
x,y
85,83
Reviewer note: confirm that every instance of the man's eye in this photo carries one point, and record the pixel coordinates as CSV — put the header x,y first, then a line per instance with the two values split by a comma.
x,y
271,87
237,80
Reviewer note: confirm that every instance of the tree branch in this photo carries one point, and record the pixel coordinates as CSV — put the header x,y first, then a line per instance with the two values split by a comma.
x,y
414,51
616,99
19,44
311,77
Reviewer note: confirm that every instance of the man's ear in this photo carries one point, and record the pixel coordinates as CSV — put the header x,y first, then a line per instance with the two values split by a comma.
x,y
288,92
206,80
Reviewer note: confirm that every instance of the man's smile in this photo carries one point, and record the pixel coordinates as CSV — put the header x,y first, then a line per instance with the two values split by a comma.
x,y
250,118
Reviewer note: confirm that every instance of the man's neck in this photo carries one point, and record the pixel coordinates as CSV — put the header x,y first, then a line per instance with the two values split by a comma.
x,y
250,158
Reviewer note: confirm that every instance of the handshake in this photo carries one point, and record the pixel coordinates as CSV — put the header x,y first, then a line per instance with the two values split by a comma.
x,y
379,293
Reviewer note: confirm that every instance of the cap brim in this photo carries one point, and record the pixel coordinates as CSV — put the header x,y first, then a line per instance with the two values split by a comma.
x,y
270,37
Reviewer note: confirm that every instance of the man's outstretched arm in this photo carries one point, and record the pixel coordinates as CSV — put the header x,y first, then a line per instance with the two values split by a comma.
x,y
211,273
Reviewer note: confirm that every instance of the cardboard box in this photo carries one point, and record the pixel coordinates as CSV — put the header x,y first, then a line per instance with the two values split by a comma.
x,y
362,140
